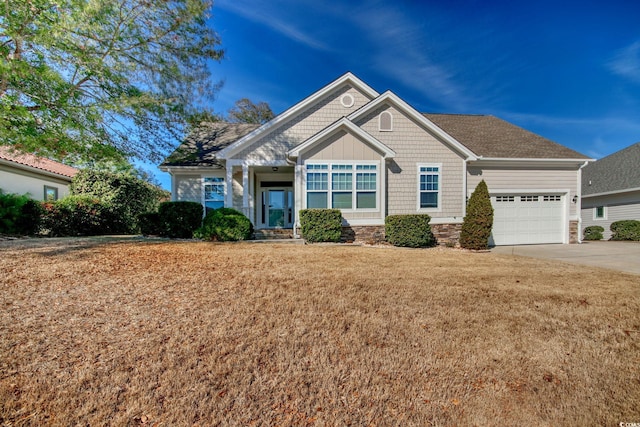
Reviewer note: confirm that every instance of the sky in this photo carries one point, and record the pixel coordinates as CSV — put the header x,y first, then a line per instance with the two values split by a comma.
x,y
569,71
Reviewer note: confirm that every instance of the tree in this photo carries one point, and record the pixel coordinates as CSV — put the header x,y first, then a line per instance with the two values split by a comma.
x,y
245,111
95,79
477,223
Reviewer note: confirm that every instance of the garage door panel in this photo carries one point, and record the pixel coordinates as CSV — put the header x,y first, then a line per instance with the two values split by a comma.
x,y
527,219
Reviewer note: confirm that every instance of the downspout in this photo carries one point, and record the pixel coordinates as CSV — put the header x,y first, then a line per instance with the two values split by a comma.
x,y
579,201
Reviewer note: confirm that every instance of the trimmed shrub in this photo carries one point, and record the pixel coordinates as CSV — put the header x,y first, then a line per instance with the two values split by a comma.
x,y
80,216
180,219
321,225
593,232
225,225
19,215
625,230
128,196
410,231
477,224
150,223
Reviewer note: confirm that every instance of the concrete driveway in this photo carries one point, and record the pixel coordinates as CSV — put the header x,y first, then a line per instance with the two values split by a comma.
x,y
621,256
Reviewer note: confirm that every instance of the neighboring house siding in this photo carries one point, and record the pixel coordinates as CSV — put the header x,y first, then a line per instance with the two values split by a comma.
x,y
188,188
19,181
414,145
275,145
511,178
618,207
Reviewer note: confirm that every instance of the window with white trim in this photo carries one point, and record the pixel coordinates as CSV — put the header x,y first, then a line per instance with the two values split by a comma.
x,y
599,212
345,186
429,186
213,192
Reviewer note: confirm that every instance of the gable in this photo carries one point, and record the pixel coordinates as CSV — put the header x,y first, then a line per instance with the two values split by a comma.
x,y
342,146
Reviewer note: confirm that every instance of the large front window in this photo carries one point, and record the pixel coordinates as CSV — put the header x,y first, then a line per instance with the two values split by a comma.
x,y
213,188
345,186
428,186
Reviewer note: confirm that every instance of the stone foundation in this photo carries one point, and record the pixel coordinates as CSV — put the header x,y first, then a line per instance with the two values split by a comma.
x,y
447,234
574,232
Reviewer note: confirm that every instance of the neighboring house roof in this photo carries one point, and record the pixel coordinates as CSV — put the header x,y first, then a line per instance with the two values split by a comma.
x,y
491,137
617,172
33,161
201,145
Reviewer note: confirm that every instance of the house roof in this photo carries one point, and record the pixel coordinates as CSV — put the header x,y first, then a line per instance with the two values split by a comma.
x,y
491,137
36,162
201,145
617,172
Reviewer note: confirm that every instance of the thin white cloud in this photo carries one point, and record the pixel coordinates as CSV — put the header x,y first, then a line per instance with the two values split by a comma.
x,y
263,15
626,62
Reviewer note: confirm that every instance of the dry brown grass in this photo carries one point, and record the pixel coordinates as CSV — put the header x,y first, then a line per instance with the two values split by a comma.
x,y
184,333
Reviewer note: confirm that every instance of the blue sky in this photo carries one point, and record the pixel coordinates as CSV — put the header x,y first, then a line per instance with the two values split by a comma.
x,y
569,71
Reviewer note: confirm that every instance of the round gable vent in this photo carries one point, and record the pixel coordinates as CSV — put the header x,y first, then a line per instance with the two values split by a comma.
x,y
347,100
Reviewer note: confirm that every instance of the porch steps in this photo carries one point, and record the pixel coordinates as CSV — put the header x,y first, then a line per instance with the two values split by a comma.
x,y
273,234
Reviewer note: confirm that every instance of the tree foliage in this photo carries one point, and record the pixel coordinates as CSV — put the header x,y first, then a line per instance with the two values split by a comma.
x,y
91,79
246,111
477,224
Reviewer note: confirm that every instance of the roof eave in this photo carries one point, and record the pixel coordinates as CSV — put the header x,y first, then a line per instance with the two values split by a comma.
x,y
22,166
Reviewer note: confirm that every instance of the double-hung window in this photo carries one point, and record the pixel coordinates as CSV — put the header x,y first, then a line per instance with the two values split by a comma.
x,y
429,186
345,186
213,189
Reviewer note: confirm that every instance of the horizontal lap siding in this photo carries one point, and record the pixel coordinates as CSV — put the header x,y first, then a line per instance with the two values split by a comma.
x,y
503,178
414,145
188,188
618,207
276,144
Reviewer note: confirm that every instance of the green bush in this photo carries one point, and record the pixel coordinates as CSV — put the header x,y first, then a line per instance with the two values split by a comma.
x,y
225,225
593,232
19,215
625,230
180,219
321,225
150,223
477,224
411,231
80,216
128,195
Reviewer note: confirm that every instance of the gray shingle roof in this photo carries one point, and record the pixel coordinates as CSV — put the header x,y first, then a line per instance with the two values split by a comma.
x,y
489,136
616,172
200,147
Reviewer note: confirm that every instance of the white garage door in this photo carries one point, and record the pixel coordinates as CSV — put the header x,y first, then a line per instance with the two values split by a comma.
x,y
527,219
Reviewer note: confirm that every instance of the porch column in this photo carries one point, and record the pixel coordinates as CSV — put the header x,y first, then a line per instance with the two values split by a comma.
x,y
245,189
229,186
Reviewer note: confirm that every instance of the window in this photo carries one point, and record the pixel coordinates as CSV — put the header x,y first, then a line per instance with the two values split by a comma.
x,y
599,212
528,198
347,187
555,198
213,188
429,186
385,122
50,194
501,199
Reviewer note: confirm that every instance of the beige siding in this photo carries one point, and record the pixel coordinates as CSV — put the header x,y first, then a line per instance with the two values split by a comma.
x,y
343,146
276,144
520,178
237,189
617,207
188,188
19,181
414,145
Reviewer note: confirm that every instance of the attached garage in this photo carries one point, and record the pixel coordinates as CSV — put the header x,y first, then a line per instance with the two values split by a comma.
x,y
525,219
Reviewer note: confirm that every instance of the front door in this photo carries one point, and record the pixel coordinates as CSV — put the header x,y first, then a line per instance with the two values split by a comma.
x,y
277,207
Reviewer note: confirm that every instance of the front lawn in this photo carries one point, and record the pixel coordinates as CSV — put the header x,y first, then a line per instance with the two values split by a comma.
x,y
186,333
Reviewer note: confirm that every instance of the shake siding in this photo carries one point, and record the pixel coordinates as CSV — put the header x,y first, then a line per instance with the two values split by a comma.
x,y
276,144
414,145
188,188
618,207
509,178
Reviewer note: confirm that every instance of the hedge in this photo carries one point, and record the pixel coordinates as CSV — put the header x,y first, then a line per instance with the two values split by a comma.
x,y
19,215
625,230
179,219
225,225
321,225
593,232
80,216
411,231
